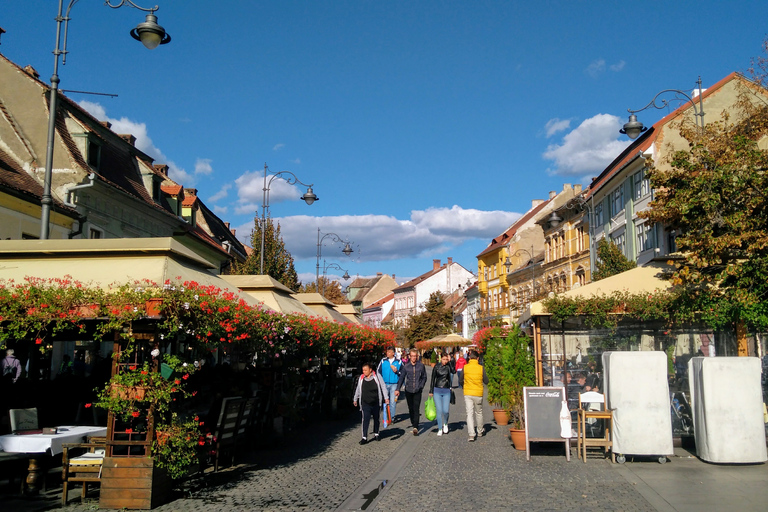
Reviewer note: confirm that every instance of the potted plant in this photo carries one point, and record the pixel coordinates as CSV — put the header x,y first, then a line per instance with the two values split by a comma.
x,y
493,360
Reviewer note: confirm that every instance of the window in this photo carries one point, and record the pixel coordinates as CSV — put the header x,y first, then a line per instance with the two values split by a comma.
x,y
94,233
642,184
599,219
94,154
580,239
644,237
617,201
620,242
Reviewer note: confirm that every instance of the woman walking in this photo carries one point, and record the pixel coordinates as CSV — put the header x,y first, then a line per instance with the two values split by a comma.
x,y
440,390
371,395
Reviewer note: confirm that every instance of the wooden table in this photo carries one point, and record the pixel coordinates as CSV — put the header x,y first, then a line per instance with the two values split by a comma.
x,y
39,446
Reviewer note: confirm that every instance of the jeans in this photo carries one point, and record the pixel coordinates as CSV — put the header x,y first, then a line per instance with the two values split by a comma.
x,y
414,406
442,398
474,405
370,411
391,388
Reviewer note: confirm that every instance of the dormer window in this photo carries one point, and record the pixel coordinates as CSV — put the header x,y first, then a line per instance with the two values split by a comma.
x,y
94,153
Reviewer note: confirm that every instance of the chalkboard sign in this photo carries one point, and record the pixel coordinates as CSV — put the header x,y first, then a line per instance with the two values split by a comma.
x,y
542,416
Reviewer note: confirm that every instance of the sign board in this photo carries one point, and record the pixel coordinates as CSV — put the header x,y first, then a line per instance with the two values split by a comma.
x,y
542,417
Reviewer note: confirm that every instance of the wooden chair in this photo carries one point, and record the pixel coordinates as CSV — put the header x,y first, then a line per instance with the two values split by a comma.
x,y
85,468
601,414
227,427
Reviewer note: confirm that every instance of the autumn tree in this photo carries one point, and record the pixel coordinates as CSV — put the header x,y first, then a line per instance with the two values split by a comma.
x,y
715,195
331,290
278,262
437,318
610,261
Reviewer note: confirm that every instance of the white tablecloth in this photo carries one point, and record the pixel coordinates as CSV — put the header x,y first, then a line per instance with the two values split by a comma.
x,y
41,443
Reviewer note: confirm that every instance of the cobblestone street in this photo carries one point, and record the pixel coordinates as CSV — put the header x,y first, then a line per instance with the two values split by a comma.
x,y
324,467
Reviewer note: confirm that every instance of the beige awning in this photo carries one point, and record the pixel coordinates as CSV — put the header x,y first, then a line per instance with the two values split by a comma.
x,y
111,262
348,310
322,307
271,292
646,279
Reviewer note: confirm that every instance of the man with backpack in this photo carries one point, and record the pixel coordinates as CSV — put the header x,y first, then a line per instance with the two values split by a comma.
x,y
10,366
414,376
389,371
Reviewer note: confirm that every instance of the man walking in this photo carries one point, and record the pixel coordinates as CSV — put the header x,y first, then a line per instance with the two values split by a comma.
x,y
10,367
472,380
389,370
414,376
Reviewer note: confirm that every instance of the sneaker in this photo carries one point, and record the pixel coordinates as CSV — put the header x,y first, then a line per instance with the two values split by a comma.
x,y
439,432
376,437
415,431
445,428
471,439
481,432
363,441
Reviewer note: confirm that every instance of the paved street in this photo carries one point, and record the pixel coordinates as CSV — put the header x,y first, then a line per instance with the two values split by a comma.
x,y
324,468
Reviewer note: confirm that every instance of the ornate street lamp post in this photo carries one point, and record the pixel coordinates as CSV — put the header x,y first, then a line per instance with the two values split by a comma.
x,y
149,33
325,269
633,128
309,197
336,238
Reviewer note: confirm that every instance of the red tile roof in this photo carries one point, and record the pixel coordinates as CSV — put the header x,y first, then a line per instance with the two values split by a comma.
x,y
379,303
173,190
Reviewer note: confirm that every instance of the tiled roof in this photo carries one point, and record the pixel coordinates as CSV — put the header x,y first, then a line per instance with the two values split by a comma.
x,y
379,303
173,190
13,177
503,238
417,280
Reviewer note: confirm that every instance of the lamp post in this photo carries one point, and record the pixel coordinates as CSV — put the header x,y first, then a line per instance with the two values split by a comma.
x,y
325,269
508,266
336,238
151,36
308,197
633,128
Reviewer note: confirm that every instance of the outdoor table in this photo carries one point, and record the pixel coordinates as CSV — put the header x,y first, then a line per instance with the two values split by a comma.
x,y
45,445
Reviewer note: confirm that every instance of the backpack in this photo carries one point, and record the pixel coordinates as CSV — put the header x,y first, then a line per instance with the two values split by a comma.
x,y
9,371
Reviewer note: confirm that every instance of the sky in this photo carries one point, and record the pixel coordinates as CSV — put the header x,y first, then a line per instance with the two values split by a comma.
x,y
426,128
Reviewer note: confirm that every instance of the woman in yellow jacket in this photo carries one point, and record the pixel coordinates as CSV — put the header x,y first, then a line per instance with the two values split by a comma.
x,y
472,380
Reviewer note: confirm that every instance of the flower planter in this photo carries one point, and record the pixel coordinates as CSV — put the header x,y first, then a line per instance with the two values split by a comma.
x,y
152,307
518,438
128,392
501,417
133,483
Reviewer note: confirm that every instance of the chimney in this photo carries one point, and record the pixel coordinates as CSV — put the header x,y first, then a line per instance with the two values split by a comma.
x,y
435,264
450,261
232,231
552,194
130,139
106,124
161,168
226,225
393,278
536,202
577,189
378,274
31,72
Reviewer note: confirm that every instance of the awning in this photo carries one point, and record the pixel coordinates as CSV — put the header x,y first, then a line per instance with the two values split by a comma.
x,y
111,262
322,307
268,290
348,310
645,279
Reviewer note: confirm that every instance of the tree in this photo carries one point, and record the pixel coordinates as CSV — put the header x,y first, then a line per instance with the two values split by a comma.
x,y
437,318
715,196
610,261
278,262
331,290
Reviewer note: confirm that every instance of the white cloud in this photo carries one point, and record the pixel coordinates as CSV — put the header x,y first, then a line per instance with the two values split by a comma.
x,y
250,189
383,237
143,141
618,66
203,166
556,125
220,210
278,147
595,68
589,148
296,161
221,194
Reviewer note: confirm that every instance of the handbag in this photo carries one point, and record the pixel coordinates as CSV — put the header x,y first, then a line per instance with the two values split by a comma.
x,y
453,398
430,410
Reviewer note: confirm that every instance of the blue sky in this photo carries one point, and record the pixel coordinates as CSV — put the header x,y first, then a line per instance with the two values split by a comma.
x,y
426,127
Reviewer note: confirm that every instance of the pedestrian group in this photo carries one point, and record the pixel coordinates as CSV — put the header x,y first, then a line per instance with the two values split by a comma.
x,y
378,390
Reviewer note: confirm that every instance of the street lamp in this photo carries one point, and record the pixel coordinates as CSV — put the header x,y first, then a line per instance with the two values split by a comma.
x,y
149,33
345,277
508,266
336,238
633,128
309,197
